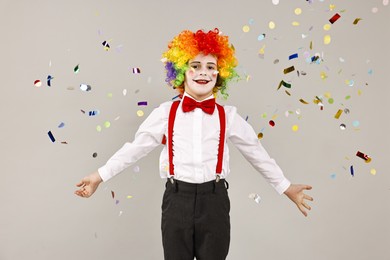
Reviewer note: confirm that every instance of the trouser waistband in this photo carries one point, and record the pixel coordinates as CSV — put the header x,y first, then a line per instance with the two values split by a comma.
x,y
196,188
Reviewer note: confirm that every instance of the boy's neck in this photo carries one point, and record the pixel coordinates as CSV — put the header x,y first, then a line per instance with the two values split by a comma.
x,y
199,99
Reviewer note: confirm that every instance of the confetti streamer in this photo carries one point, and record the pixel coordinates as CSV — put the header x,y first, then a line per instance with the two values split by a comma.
x,y
51,136
334,18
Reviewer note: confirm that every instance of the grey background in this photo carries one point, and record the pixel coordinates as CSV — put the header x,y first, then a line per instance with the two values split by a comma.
x,y
40,216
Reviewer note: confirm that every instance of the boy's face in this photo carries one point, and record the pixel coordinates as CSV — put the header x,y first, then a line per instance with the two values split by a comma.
x,y
201,77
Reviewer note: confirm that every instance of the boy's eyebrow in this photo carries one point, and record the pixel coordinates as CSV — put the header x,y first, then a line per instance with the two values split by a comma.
x,y
200,62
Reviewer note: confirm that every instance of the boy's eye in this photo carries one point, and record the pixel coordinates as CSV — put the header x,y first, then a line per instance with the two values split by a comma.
x,y
211,67
195,66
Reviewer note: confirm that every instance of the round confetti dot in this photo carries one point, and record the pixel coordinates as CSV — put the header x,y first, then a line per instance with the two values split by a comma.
x,y
124,92
374,10
356,123
109,95
140,113
327,39
271,123
298,11
294,128
385,2
245,28
346,111
261,37
260,135
271,25
276,61
327,27
275,2
330,100
98,128
347,97
343,126
94,155
37,83
264,115
295,23
107,124
298,111
373,171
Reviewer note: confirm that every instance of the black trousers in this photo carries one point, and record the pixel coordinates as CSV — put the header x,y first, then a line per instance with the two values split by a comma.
x,y
195,220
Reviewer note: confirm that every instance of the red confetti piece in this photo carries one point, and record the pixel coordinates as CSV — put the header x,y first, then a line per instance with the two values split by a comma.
x,y
334,18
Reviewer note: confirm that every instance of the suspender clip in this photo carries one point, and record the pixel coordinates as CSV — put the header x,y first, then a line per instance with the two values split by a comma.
x,y
218,178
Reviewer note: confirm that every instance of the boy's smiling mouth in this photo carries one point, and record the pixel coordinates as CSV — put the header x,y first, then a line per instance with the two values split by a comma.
x,y
202,81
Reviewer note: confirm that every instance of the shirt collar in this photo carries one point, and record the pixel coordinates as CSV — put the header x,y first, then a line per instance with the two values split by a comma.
x,y
188,95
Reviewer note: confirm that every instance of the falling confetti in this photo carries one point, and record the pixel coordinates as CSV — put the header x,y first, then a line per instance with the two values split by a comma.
x,y
298,11
271,123
338,114
260,135
129,197
271,25
136,70
288,70
327,39
94,155
112,194
98,128
106,46
303,101
51,136
245,28
373,171
49,78
352,171
255,197
61,125
37,83
261,37
107,124
85,87
356,20
363,156
143,103
76,69
285,84
343,126
294,128
334,18
293,56
140,113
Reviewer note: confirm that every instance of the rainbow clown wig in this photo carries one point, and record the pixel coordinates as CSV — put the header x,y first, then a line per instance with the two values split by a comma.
x,y
187,45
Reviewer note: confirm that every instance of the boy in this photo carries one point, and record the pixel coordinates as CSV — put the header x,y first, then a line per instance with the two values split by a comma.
x,y
195,160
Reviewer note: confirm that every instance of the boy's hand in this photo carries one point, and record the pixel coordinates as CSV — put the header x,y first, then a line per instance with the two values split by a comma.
x,y
88,185
295,193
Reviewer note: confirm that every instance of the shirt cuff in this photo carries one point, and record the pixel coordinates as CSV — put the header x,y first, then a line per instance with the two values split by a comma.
x,y
104,174
283,186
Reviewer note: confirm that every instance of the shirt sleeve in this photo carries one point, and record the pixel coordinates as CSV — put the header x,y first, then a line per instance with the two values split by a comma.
x,y
147,138
242,135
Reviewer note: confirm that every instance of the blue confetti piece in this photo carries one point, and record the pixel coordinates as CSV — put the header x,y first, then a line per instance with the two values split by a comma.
x,y
352,171
51,136
293,56
143,103
61,125
49,78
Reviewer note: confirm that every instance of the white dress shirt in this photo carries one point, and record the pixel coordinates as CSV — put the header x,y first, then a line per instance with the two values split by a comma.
x,y
195,146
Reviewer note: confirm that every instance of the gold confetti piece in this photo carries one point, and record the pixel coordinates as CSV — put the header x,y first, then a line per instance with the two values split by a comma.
x,y
303,101
260,136
245,28
261,51
298,11
271,25
98,128
311,45
294,128
330,100
327,39
288,93
129,197
107,124
338,114
323,75
288,70
357,20
331,7
373,171
327,94
140,113
109,95
327,27
295,23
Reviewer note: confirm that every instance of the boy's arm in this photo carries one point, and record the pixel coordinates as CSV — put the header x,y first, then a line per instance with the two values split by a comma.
x,y
148,137
245,139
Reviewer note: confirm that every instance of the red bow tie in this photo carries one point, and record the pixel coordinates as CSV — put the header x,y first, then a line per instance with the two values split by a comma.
x,y
190,104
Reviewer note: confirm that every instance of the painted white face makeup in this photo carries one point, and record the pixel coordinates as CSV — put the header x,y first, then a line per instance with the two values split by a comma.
x,y
201,77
